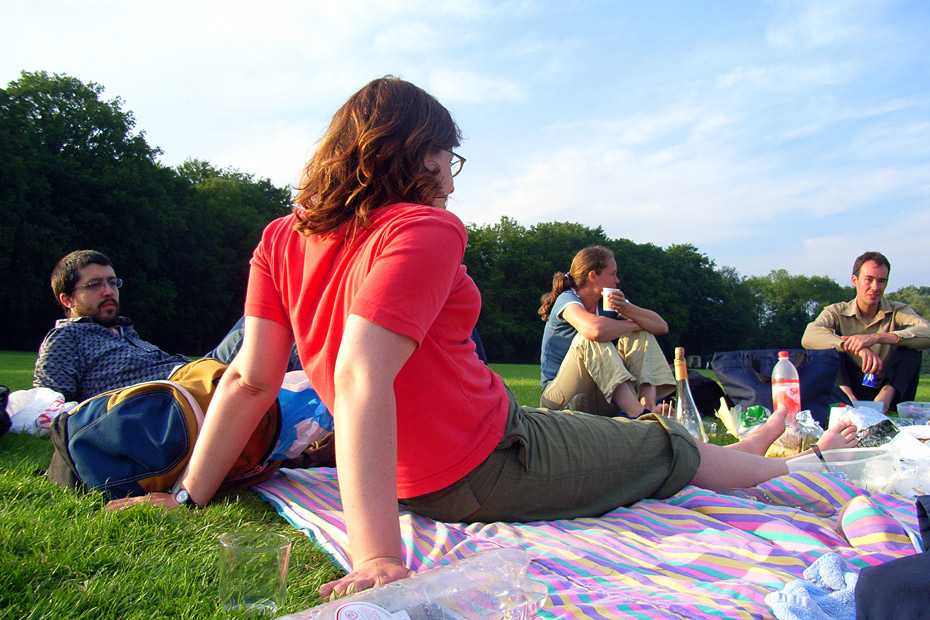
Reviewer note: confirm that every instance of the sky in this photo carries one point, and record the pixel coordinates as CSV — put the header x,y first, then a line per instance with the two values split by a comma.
x,y
774,134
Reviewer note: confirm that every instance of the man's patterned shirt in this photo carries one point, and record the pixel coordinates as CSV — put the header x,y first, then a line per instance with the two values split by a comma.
x,y
81,358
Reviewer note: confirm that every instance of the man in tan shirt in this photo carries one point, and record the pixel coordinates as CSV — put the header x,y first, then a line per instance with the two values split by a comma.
x,y
878,336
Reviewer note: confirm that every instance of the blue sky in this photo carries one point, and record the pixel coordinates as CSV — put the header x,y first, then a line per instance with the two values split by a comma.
x,y
770,135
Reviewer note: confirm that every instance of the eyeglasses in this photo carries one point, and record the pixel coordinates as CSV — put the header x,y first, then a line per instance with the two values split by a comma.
x,y
96,285
457,162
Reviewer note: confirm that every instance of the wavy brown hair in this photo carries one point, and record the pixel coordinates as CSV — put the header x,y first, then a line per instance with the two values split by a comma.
x,y
594,258
372,156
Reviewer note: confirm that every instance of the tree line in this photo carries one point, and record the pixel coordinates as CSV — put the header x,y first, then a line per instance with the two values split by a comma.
x,y
75,173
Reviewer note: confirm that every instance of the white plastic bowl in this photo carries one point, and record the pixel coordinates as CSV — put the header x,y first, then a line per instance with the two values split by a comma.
x,y
872,469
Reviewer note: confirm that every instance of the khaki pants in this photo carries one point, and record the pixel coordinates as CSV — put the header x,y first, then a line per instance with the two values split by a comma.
x,y
595,369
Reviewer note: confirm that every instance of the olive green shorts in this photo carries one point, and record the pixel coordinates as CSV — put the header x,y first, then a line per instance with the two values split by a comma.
x,y
562,465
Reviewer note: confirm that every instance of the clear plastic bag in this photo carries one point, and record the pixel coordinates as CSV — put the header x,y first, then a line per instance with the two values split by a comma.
x,y
799,436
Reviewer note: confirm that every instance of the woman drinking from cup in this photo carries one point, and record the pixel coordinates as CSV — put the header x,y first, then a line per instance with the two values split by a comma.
x,y
581,368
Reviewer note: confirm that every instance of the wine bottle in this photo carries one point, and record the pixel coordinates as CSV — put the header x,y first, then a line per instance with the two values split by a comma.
x,y
686,412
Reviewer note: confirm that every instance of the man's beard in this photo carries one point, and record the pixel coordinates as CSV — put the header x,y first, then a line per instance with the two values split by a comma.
x,y
107,320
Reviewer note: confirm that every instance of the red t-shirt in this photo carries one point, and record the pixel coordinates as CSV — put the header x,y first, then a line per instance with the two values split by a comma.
x,y
403,273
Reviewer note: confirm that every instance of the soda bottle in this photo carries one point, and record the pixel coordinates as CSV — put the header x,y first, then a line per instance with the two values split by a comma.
x,y
485,586
686,412
786,387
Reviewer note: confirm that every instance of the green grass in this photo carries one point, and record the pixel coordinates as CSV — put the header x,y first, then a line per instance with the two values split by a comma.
x,y
16,369
62,556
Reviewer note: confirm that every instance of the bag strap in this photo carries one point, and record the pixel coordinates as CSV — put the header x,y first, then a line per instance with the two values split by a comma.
x,y
195,405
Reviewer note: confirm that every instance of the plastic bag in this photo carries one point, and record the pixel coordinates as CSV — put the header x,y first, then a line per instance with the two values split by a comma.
x,y
800,436
304,417
741,423
32,411
875,428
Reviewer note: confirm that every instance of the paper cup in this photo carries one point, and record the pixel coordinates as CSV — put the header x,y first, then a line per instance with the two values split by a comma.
x,y
605,293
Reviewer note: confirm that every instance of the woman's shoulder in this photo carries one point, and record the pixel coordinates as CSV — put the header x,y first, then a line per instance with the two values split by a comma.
x,y
568,296
281,225
565,298
422,219
410,210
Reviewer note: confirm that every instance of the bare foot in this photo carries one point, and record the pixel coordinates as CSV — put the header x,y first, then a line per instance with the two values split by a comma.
x,y
843,435
763,436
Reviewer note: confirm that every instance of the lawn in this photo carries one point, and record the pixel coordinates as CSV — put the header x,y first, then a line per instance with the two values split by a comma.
x,y
62,556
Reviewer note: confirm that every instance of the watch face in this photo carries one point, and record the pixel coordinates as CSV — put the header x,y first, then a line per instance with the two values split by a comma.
x,y
182,497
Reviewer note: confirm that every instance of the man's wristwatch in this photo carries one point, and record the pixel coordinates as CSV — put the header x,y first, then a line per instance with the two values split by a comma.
x,y
183,498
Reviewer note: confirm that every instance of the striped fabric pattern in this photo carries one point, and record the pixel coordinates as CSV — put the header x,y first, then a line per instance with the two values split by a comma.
x,y
698,554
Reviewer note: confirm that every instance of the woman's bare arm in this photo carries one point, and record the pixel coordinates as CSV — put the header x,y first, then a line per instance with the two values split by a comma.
x,y
369,359
245,392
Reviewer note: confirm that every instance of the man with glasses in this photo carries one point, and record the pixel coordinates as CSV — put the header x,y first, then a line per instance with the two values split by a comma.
x,y
94,349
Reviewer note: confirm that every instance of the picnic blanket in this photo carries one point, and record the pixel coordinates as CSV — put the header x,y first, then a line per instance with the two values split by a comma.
x,y
698,554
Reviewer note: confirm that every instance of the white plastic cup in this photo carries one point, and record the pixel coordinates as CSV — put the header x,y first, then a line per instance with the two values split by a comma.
x,y
253,571
605,293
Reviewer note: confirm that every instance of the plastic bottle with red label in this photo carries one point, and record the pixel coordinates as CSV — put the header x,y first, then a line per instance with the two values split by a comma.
x,y
786,386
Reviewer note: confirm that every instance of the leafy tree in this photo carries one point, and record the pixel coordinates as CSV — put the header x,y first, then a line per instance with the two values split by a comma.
x,y
74,174
788,303
918,297
227,212
513,267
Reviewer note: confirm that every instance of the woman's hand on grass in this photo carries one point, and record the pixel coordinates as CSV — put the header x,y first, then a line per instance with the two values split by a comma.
x,y
166,500
368,574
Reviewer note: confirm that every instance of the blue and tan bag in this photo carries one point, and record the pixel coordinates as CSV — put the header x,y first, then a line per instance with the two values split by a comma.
x,y
138,439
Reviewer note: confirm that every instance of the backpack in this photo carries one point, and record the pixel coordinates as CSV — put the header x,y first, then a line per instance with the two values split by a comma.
x,y
138,439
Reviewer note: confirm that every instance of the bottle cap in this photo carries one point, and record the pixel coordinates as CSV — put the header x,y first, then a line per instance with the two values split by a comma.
x,y
782,355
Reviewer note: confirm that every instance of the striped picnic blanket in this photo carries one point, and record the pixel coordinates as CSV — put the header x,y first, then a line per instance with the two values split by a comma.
x,y
698,554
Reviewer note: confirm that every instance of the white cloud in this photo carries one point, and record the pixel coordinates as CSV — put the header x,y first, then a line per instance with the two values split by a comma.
x,y
414,36
788,76
465,87
801,23
833,255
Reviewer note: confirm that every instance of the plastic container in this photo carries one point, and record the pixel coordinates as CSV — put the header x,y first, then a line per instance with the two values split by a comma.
x,y
914,410
872,469
489,585
786,386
